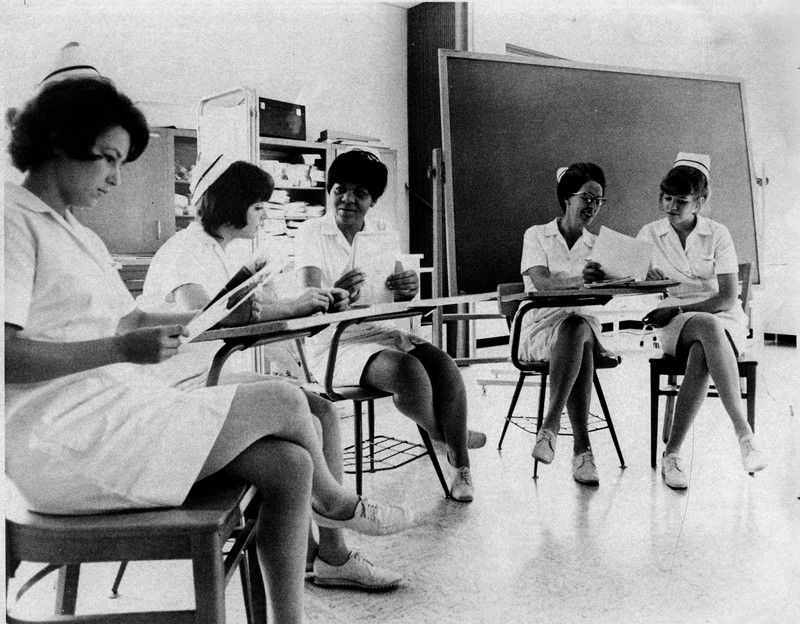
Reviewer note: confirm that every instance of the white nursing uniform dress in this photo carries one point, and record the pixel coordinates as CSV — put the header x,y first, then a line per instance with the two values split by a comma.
x,y
709,252
116,437
543,245
321,244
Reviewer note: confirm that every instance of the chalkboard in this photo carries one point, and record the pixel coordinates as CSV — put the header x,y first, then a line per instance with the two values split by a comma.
x,y
509,123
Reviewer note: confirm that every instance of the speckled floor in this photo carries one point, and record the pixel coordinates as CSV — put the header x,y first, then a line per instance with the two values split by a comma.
x,y
631,550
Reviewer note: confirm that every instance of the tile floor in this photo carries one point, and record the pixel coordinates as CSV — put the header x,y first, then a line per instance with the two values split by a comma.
x,y
726,550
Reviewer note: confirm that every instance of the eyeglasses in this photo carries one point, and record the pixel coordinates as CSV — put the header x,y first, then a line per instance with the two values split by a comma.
x,y
591,199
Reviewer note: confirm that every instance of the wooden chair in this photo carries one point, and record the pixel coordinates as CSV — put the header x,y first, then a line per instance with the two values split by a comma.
x,y
383,452
508,308
671,368
214,516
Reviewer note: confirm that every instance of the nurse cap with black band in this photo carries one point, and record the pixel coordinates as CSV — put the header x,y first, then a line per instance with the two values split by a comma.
x,y
206,173
701,162
71,63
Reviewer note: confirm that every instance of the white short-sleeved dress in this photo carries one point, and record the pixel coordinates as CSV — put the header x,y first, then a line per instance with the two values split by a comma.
x,y
116,437
321,244
709,252
544,245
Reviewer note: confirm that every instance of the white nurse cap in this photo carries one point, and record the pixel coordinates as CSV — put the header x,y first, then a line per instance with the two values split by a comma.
x,y
207,171
701,162
71,63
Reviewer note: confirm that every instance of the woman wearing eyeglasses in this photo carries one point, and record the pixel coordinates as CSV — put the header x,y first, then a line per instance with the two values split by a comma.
x,y
702,321
554,255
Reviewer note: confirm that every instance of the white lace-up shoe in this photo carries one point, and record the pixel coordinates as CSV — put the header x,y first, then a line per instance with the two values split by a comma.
x,y
370,519
355,572
461,488
752,458
674,471
583,469
545,447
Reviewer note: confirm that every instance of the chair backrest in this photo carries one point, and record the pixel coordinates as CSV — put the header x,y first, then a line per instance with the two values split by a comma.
x,y
509,308
745,280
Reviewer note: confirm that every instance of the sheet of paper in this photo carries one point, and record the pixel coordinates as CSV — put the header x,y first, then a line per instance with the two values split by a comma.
x,y
375,255
227,303
621,256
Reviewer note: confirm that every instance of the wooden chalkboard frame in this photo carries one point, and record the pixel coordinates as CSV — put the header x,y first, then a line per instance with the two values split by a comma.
x,y
497,183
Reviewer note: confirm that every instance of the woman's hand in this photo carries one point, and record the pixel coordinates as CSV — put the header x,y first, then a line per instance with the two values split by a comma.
x,y
352,281
655,274
340,300
151,344
404,284
312,301
660,316
592,272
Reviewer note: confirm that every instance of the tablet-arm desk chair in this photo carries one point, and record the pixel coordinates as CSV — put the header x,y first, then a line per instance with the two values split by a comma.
x,y
383,452
671,368
214,528
508,308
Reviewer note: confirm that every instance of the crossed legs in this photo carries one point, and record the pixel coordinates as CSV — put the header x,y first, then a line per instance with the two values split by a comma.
x,y
709,355
571,375
426,386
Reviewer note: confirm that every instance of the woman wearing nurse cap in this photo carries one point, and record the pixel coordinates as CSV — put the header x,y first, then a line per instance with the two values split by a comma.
x,y
701,321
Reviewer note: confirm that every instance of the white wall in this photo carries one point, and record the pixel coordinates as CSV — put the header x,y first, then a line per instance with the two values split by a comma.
x,y
345,61
756,41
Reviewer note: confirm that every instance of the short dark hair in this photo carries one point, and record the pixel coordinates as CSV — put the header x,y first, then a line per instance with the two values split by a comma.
x,y
683,180
226,201
576,175
359,167
70,115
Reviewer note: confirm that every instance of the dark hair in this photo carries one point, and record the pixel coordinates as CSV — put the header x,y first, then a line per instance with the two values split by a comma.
x,y
576,175
70,115
683,180
359,167
226,201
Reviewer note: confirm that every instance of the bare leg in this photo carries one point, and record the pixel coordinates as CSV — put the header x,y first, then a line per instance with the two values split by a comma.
x,y
280,410
579,401
332,547
690,397
449,399
281,471
708,340
406,378
569,374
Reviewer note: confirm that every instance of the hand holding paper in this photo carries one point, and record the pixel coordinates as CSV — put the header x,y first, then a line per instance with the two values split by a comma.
x,y
621,256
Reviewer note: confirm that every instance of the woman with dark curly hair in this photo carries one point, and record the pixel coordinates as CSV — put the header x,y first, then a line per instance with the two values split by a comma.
x,y
91,425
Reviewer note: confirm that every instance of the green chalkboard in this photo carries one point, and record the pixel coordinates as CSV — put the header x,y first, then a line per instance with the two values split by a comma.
x,y
509,122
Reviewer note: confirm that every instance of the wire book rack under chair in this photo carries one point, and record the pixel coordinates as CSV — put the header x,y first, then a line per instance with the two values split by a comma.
x,y
672,368
378,452
541,368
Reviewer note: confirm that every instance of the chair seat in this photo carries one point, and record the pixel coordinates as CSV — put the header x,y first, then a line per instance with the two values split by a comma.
x,y
357,393
543,366
197,530
669,365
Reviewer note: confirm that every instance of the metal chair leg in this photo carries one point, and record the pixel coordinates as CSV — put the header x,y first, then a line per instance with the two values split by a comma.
x,y
539,419
358,451
654,387
604,406
67,589
513,405
426,440
371,433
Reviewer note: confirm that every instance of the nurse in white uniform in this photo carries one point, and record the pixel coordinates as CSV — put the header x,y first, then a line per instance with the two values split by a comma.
x,y
196,263
425,382
89,426
701,321
554,255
